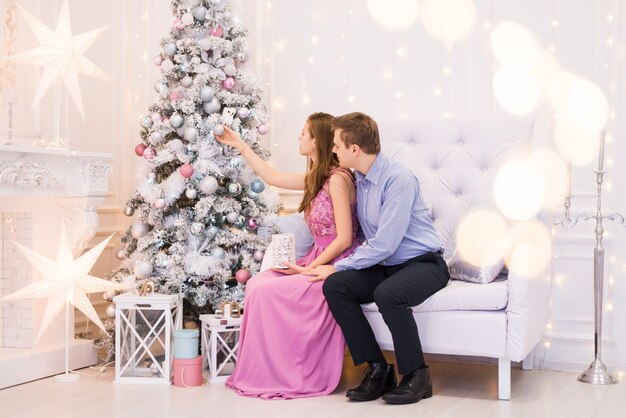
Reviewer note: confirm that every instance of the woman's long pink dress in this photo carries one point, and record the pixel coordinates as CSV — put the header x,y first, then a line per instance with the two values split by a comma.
x,y
290,345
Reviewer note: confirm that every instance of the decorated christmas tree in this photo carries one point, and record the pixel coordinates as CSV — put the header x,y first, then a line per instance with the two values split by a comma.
x,y
200,216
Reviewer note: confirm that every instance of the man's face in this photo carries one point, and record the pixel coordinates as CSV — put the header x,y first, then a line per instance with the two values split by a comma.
x,y
344,154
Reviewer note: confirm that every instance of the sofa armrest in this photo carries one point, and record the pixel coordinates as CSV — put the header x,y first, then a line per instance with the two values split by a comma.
x,y
527,311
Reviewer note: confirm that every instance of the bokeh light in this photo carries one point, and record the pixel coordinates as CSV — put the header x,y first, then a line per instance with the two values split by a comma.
x,y
482,237
533,253
394,14
553,170
519,190
515,90
514,46
448,20
575,144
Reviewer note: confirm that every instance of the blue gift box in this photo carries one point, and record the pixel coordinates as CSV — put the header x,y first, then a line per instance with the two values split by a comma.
x,y
186,343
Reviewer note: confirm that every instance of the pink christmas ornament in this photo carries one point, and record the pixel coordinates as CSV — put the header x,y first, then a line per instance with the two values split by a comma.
x,y
229,83
156,117
186,170
158,60
243,112
263,129
242,276
176,94
252,224
149,153
159,203
178,24
139,149
217,31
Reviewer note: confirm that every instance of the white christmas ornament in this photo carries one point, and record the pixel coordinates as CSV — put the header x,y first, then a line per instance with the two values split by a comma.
x,y
61,55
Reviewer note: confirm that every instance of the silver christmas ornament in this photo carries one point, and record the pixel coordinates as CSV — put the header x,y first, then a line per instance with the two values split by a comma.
x,y
218,130
228,16
218,252
138,230
243,112
196,228
234,188
191,193
159,86
258,255
129,211
121,254
191,134
206,93
146,122
156,137
213,106
142,269
162,260
199,13
230,69
176,120
208,185
186,81
170,49
187,19
212,231
232,217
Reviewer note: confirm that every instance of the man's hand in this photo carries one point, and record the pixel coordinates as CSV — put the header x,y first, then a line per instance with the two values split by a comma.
x,y
293,268
320,272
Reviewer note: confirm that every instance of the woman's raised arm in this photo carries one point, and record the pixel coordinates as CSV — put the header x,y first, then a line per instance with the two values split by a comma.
x,y
293,181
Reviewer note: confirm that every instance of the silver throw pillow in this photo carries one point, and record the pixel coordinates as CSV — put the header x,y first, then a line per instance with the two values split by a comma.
x,y
463,270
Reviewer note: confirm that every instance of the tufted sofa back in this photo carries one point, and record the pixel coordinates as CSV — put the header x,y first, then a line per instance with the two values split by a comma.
x,y
456,160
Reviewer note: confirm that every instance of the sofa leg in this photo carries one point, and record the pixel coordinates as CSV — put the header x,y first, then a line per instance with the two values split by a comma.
x,y
527,363
504,379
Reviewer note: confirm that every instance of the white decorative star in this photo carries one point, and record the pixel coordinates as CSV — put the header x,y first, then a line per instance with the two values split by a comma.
x,y
64,280
61,55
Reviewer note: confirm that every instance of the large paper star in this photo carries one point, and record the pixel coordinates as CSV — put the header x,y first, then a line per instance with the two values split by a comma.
x,y
61,55
64,280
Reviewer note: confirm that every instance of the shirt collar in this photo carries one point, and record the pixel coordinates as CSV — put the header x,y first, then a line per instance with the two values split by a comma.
x,y
373,175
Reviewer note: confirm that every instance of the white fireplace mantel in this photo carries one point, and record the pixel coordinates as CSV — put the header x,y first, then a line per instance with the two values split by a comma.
x,y
39,189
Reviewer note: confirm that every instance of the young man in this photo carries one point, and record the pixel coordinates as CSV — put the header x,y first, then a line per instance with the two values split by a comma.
x,y
399,266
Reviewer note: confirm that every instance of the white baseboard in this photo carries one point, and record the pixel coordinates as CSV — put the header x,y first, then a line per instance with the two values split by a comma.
x,y
21,365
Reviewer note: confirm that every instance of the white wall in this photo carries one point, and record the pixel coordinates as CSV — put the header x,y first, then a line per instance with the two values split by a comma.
x,y
358,65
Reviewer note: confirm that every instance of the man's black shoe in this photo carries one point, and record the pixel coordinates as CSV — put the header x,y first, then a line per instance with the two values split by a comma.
x,y
412,388
378,379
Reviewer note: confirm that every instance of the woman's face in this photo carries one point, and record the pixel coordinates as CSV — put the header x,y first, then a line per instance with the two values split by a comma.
x,y
307,142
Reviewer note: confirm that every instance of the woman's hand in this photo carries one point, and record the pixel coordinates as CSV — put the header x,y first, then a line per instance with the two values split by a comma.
x,y
231,138
293,268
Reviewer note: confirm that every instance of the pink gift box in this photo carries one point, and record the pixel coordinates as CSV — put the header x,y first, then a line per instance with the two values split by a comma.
x,y
188,371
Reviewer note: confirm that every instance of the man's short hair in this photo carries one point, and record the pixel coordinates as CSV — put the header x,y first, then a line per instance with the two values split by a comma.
x,y
359,129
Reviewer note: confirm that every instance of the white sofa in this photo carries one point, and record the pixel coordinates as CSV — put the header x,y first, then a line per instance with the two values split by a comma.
x,y
456,161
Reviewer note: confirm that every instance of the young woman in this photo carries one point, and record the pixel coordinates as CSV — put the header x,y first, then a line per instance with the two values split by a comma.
x,y
290,345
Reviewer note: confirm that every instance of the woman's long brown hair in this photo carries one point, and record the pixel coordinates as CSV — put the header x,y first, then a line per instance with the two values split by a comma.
x,y
325,159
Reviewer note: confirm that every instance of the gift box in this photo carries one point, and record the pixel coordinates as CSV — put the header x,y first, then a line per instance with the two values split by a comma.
x,y
283,249
188,371
186,343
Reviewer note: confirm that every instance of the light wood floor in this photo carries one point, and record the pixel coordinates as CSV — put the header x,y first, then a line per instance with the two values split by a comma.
x,y
460,390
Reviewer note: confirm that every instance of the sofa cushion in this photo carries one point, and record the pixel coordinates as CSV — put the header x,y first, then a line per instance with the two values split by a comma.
x,y
466,271
462,296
